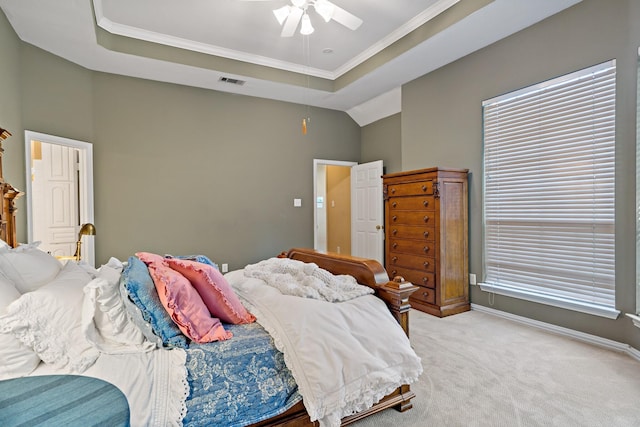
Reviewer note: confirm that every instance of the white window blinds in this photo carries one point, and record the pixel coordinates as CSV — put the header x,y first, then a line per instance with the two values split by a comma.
x,y
549,167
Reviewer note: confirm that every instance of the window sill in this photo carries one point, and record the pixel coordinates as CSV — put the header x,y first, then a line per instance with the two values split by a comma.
x,y
595,310
634,318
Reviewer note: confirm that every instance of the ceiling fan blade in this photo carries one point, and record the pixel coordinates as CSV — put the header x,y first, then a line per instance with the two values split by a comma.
x,y
290,25
345,18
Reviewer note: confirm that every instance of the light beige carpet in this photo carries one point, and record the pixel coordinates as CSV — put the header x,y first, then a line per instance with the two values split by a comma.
x,y
483,370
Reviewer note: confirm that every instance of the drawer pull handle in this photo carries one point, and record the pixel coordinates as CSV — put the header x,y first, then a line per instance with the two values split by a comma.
x,y
425,280
394,204
395,245
394,273
426,218
394,259
393,190
425,249
395,218
425,294
425,234
424,188
425,203
426,264
394,232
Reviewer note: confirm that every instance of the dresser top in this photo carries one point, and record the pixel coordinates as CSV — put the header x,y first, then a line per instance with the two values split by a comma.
x,y
427,170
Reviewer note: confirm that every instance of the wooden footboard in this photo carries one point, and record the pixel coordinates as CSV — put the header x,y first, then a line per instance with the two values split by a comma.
x,y
395,293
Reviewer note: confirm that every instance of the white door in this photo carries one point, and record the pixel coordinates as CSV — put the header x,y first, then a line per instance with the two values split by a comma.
x,y
367,226
54,181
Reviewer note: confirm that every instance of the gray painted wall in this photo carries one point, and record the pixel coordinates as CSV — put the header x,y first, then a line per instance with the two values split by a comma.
x,y
382,140
442,126
184,170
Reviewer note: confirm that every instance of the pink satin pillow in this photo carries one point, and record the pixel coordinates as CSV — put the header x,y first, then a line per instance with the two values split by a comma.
x,y
214,289
182,302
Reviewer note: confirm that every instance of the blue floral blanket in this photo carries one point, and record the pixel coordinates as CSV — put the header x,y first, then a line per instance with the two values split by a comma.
x,y
239,381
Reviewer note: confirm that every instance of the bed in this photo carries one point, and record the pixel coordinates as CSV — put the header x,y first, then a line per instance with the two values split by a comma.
x,y
302,338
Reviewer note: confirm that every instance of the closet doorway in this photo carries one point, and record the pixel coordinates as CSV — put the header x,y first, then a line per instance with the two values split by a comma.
x,y
59,193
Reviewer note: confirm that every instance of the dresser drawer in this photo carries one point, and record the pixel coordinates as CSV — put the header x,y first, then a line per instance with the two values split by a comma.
x,y
421,278
419,263
411,217
412,247
426,234
412,203
424,295
410,189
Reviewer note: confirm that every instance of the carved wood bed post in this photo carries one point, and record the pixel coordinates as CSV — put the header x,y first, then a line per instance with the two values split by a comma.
x,y
396,294
9,194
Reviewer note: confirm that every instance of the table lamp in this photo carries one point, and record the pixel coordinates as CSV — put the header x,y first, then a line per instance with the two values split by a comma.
x,y
87,229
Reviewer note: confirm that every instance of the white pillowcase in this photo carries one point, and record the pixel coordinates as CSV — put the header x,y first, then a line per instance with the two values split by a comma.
x,y
16,359
49,320
105,321
28,267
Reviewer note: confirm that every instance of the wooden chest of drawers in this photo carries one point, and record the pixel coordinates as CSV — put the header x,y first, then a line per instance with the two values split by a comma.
x,y
426,236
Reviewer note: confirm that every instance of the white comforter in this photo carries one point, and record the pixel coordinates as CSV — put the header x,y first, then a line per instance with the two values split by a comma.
x,y
344,356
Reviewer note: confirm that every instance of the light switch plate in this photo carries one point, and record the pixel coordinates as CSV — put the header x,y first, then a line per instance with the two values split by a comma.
x,y
297,203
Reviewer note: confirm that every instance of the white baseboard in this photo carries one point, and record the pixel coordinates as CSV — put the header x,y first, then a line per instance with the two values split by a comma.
x,y
592,339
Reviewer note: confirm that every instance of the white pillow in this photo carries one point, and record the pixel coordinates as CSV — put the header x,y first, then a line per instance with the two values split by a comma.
x,y
49,320
105,321
3,244
16,359
28,267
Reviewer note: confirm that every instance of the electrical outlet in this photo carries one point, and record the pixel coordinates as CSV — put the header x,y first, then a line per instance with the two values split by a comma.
x,y
225,268
472,279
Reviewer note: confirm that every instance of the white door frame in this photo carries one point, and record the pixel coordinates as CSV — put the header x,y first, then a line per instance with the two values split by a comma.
x,y
316,163
86,183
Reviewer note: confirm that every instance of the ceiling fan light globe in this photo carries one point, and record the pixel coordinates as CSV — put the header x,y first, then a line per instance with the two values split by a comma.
x,y
305,26
282,13
324,9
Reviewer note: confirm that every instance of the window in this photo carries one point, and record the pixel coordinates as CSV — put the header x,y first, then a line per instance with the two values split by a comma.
x,y
549,175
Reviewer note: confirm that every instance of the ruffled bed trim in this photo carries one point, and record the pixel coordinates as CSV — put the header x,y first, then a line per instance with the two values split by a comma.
x,y
26,323
172,387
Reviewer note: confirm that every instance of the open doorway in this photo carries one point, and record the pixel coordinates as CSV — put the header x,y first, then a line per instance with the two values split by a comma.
x,y
348,208
332,205
59,193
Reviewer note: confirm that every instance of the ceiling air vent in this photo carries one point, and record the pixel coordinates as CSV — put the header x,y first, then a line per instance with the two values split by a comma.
x,y
232,81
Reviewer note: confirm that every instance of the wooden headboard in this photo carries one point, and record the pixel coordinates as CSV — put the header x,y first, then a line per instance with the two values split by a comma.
x,y
9,195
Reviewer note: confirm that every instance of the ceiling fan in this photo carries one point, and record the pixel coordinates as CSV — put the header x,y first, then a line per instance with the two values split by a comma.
x,y
290,16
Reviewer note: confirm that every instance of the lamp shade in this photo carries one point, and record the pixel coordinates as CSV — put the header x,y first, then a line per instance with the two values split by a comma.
x,y
305,27
87,229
